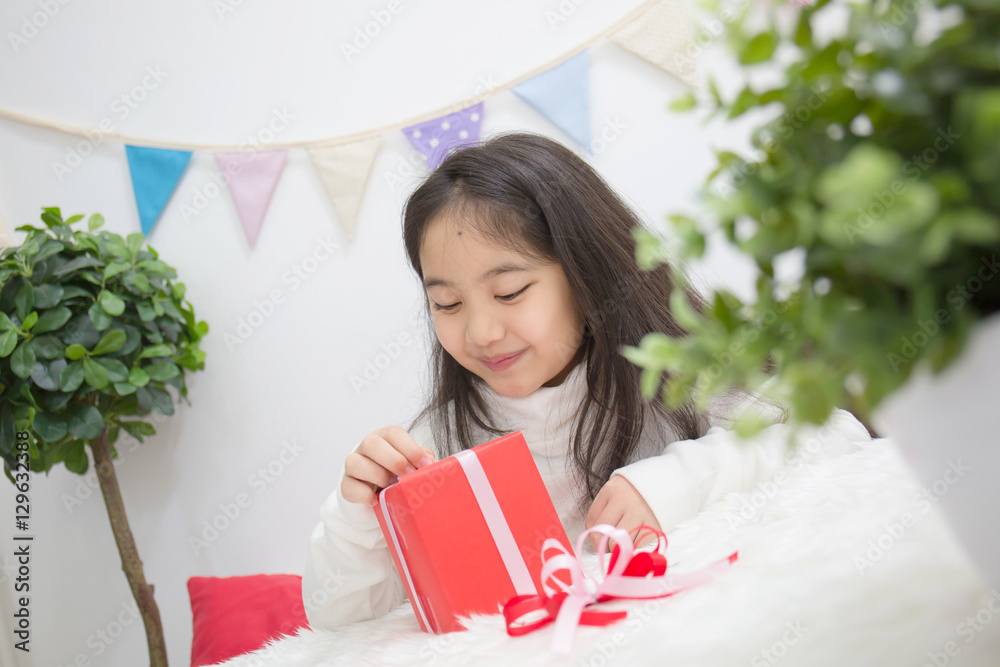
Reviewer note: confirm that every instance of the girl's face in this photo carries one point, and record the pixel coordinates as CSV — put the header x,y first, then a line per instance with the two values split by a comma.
x,y
502,315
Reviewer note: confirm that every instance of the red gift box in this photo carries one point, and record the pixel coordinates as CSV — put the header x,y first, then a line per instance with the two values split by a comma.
x,y
466,532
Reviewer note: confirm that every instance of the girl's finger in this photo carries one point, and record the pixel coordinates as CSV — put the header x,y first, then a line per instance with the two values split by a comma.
x,y
366,470
404,443
383,454
596,508
357,491
610,515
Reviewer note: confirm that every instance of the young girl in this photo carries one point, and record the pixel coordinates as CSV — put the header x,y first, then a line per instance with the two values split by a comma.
x,y
527,259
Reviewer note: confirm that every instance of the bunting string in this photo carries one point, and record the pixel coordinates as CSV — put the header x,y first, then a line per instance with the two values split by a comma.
x,y
656,30
69,128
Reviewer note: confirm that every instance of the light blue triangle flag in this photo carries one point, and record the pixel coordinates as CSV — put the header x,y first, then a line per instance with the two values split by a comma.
x,y
155,173
562,94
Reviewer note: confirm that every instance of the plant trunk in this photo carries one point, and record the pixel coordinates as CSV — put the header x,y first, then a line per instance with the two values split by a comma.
x,y
131,563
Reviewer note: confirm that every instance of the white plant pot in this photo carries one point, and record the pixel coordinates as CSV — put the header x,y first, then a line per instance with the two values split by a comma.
x,y
948,427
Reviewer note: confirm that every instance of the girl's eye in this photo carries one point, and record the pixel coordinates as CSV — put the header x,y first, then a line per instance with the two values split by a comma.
x,y
504,297
516,294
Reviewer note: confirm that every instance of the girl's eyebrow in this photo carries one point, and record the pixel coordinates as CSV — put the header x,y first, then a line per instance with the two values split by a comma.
x,y
492,273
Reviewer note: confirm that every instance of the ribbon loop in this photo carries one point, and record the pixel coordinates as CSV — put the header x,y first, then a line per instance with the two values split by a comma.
x,y
630,574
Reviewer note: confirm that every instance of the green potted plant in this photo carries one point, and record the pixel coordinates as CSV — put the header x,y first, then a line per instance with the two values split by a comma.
x,y
93,327
876,173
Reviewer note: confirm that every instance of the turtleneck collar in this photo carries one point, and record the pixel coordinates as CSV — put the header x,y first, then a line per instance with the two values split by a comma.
x,y
545,415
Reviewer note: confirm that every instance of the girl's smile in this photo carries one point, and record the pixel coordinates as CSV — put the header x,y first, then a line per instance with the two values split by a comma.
x,y
502,363
507,317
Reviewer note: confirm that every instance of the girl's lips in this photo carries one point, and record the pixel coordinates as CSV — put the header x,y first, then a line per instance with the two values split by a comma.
x,y
498,366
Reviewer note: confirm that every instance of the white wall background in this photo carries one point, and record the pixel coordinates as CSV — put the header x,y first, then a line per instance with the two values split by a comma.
x,y
290,381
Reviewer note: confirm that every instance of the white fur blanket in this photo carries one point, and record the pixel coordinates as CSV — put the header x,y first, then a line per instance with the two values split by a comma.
x,y
827,575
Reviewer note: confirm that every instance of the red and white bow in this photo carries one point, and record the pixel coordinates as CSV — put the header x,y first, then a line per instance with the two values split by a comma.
x,y
631,574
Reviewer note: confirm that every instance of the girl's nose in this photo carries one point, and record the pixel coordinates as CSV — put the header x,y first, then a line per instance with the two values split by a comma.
x,y
483,328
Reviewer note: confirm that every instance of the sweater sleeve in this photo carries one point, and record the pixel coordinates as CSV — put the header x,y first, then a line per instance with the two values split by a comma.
x,y
690,475
350,575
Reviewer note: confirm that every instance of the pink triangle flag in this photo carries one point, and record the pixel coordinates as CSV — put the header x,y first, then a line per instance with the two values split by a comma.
x,y
435,138
252,177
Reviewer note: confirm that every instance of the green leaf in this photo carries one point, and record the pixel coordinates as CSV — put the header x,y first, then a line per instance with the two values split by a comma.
x,y
51,247
146,311
758,49
161,370
81,262
29,321
47,296
114,268
134,241
71,377
52,217
117,371
974,225
48,347
75,457
5,322
25,300
98,317
142,282
50,428
73,292
684,102
744,101
22,361
53,319
153,266
55,401
156,351
138,377
138,428
26,393
94,373
8,340
162,402
649,381
112,342
747,426
112,303
8,429
124,388
95,221
46,375
74,218
76,351
682,311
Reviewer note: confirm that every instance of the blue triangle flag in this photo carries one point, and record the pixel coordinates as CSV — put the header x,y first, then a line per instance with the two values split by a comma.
x,y
155,173
562,94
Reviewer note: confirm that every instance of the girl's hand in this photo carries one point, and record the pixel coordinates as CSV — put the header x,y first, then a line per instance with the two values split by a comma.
x,y
620,505
382,456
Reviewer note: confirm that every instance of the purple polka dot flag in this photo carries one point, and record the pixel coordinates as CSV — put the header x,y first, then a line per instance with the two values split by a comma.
x,y
435,138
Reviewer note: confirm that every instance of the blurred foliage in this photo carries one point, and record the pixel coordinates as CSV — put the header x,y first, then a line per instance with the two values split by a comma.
x,y
92,329
879,170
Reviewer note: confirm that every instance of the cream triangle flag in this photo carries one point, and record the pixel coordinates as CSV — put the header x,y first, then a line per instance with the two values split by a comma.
x,y
344,171
664,36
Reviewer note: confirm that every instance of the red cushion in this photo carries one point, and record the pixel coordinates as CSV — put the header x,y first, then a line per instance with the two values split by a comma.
x,y
236,615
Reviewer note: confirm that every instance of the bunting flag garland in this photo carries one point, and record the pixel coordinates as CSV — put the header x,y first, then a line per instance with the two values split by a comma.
x,y
562,94
434,138
252,177
344,171
155,173
663,37
658,31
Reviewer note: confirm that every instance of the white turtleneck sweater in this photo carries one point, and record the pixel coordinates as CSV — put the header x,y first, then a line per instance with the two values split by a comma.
x,y
350,575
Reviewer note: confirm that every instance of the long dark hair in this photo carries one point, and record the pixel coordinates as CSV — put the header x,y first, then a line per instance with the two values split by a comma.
x,y
535,196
